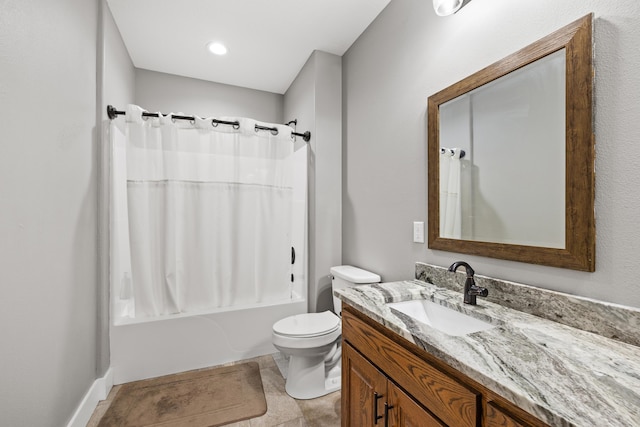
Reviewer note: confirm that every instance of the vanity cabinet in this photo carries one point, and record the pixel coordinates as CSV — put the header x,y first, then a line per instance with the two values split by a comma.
x,y
370,399
389,381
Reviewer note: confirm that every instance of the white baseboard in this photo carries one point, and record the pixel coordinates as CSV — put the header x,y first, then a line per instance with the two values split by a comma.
x,y
98,391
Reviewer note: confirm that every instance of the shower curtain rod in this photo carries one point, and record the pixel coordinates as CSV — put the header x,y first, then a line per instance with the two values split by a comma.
x,y
112,112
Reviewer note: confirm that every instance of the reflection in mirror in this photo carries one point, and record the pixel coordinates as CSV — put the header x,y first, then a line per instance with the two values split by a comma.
x,y
511,127
524,190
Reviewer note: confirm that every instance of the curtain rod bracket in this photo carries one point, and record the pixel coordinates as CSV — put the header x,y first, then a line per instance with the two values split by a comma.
x,y
112,112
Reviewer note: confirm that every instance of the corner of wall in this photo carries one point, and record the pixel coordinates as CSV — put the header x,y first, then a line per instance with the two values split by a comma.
x,y
98,391
315,99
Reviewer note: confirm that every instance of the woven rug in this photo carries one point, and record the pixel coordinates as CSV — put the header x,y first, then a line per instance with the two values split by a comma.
x,y
202,398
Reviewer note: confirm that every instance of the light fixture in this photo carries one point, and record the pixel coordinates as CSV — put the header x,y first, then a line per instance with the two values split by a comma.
x,y
447,7
217,48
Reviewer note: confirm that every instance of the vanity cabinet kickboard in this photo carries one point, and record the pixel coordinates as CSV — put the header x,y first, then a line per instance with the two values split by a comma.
x,y
445,397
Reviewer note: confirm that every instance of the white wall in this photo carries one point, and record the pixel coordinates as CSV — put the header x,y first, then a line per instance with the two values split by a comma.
x,y
48,208
170,93
315,100
408,54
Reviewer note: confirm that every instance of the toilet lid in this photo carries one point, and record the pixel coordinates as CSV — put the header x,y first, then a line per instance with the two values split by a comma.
x,y
307,325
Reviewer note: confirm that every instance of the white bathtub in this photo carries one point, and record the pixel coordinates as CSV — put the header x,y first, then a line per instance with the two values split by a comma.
x,y
181,343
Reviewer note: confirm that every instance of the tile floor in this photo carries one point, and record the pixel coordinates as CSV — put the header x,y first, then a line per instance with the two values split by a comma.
x,y
282,410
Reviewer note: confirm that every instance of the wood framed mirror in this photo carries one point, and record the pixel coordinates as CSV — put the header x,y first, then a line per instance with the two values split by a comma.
x,y
535,202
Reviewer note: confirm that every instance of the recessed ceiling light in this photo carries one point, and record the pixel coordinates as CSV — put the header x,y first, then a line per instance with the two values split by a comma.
x,y
446,7
217,48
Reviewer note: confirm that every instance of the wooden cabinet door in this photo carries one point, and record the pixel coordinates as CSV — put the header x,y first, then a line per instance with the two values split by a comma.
x,y
406,412
363,391
496,417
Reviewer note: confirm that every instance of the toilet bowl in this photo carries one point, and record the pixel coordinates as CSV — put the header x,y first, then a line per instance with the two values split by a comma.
x,y
312,341
307,339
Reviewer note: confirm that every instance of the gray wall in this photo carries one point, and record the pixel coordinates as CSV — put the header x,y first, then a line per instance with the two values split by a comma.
x,y
48,208
118,73
170,93
315,99
409,53
116,84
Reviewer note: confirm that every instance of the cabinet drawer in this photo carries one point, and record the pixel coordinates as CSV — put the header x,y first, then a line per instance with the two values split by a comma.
x,y
449,400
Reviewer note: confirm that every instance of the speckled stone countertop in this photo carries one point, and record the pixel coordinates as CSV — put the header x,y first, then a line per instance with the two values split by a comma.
x,y
562,375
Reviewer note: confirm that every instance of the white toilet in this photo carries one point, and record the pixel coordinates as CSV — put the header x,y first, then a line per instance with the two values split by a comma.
x,y
312,341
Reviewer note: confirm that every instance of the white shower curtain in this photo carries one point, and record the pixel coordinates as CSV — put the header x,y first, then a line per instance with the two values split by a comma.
x,y
201,215
450,200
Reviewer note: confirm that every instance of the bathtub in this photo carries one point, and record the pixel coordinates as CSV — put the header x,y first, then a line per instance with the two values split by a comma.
x,y
141,350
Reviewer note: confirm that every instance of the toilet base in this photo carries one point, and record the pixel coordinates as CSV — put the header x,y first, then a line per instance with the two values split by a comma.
x,y
306,378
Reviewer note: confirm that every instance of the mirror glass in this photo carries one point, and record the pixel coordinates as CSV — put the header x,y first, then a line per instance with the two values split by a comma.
x,y
510,156
511,127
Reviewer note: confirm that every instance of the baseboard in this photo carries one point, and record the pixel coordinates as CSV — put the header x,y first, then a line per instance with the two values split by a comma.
x,y
98,391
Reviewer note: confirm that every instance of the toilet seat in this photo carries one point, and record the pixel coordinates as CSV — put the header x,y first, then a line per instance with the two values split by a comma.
x,y
307,325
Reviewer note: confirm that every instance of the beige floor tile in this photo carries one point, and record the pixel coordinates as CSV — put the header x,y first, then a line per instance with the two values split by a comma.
x,y
323,411
299,422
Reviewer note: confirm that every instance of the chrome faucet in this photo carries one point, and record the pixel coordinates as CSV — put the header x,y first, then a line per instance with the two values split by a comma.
x,y
471,290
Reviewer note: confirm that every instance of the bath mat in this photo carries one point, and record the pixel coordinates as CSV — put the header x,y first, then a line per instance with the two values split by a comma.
x,y
202,398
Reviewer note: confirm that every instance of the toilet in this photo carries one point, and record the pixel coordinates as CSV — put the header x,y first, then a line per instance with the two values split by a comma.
x,y
312,340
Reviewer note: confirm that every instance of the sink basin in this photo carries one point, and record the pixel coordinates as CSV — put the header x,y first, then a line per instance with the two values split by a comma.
x,y
444,319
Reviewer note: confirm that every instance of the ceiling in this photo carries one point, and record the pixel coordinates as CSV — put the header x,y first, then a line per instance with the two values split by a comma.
x,y
268,40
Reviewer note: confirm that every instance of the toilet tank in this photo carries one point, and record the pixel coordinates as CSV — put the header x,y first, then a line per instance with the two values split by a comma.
x,y
347,276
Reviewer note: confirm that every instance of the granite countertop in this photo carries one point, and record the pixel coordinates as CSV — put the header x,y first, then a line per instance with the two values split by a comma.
x,y
562,375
